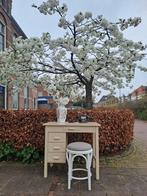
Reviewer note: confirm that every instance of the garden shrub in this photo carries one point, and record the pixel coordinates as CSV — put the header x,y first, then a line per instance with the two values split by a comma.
x,y
24,128
116,131
6,152
28,155
139,107
25,155
142,115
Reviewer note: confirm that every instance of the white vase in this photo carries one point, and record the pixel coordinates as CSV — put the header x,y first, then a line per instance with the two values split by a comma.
x,y
61,114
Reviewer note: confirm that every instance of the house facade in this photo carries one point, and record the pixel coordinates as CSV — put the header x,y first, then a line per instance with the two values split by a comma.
x,y
25,98
138,93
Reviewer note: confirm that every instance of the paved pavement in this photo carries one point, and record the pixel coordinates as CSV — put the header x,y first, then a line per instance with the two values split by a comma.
x,y
121,175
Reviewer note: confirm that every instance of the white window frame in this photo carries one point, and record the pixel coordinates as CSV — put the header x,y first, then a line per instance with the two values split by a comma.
x,y
1,2
4,33
4,49
5,103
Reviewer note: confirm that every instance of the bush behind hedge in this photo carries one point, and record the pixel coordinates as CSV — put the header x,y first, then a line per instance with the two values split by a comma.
x,y
24,128
139,107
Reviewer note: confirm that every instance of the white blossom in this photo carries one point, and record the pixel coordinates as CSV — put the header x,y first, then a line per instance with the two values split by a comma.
x,y
88,15
93,51
79,17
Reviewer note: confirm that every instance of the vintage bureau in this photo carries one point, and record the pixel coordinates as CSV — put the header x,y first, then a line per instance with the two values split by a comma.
x,y
56,141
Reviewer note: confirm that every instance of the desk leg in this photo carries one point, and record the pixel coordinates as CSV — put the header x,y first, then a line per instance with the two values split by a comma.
x,y
97,153
45,155
45,169
94,147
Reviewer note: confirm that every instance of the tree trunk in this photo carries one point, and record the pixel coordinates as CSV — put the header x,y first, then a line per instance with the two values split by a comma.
x,y
89,101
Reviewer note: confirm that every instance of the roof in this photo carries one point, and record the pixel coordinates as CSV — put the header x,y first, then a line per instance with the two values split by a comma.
x,y
107,97
17,27
104,98
14,24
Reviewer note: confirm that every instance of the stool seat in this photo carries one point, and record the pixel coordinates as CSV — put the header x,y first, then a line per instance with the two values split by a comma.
x,y
79,146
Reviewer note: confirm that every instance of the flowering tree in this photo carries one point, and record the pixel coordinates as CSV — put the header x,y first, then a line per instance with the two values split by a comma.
x,y
92,54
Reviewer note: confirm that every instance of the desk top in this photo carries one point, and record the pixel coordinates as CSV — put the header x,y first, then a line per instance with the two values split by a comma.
x,y
74,124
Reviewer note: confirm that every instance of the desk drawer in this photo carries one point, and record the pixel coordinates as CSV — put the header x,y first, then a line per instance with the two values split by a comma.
x,y
55,129
56,157
57,137
80,129
56,147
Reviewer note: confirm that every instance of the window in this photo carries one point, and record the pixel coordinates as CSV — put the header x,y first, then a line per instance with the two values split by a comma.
x,y
14,36
26,98
15,98
6,5
34,103
1,36
2,2
2,97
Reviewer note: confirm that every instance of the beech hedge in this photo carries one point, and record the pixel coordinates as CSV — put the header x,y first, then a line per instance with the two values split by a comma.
x,y
24,128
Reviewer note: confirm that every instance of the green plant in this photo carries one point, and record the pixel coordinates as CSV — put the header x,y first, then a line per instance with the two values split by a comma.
x,y
139,107
7,152
28,155
142,115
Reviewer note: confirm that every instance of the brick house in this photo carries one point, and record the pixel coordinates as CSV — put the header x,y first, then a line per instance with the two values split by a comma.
x,y
138,93
9,29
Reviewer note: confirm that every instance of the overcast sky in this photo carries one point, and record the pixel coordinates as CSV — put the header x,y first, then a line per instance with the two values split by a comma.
x,y
34,24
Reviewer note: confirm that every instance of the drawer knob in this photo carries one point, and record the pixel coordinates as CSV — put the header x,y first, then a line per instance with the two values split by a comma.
x,y
56,138
56,158
71,128
56,148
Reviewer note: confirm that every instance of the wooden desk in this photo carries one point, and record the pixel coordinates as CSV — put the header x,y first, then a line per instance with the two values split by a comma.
x,y
56,141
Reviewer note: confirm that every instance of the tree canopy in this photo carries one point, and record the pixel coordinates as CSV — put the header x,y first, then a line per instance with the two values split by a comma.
x,y
93,54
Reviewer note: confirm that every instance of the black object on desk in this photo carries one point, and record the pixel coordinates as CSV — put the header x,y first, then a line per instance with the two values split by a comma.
x,y
83,118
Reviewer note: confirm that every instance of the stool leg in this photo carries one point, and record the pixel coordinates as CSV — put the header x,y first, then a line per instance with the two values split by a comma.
x,y
69,170
89,181
89,170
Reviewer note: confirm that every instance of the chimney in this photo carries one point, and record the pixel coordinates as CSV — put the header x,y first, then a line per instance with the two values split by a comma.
x,y
9,2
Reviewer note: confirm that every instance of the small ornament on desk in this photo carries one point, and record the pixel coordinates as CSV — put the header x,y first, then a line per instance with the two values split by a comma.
x,y
83,118
61,109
